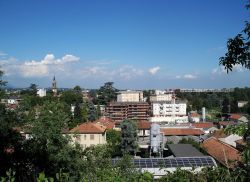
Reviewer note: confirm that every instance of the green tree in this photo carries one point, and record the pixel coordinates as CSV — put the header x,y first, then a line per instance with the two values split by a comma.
x,y
238,49
2,82
77,89
49,150
71,97
78,118
84,112
129,137
92,114
106,93
114,141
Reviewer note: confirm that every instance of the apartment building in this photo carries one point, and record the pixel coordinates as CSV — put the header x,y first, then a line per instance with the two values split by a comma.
x,y
118,111
130,96
169,112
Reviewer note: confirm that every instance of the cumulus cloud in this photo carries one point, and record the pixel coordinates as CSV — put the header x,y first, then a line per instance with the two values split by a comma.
x,y
33,68
221,70
154,70
49,59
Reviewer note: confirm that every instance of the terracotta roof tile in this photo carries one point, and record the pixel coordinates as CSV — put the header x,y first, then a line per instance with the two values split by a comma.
x,y
220,151
195,114
203,125
181,132
88,127
143,125
107,122
235,116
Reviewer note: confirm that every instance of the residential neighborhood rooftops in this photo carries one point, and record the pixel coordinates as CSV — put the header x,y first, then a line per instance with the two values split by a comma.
x,y
224,153
203,125
184,150
105,121
181,132
88,128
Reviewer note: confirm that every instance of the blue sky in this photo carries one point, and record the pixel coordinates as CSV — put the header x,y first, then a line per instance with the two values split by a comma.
x,y
137,44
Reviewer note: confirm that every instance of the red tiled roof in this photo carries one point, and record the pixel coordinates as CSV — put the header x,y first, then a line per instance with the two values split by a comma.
x,y
235,116
221,151
194,114
107,122
203,125
181,132
143,125
88,128
225,123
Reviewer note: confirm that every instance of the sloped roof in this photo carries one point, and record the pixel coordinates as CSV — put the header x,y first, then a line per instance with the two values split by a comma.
x,y
221,151
181,132
143,125
107,122
225,123
88,127
194,114
203,125
235,116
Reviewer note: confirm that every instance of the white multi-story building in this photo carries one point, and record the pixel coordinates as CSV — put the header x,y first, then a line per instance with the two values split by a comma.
x,y
130,96
161,97
169,112
41,92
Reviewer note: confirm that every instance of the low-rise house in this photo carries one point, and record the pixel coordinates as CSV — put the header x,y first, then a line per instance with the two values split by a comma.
x,y
143,128
194,117
107,122
224,124
207,127
231,139
241,103
238,118
89,134
182,132
222,152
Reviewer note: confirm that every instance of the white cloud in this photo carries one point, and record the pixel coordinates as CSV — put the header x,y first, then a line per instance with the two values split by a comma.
x,y
221,70
2,53
124,72
49,59
154,70
189,76
35,68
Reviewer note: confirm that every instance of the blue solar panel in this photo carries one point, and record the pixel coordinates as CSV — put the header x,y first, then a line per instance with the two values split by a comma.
x,y
171,162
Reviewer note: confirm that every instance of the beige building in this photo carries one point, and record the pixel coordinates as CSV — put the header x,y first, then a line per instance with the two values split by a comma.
x,y
89,134
130,96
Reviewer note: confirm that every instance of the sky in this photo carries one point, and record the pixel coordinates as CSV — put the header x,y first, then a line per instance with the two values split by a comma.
x,y
137,44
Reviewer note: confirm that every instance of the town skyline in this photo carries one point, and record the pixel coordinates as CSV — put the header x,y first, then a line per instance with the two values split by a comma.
x,y
136,45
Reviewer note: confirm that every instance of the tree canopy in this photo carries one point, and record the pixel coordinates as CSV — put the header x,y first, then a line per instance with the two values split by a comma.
x,y
238,49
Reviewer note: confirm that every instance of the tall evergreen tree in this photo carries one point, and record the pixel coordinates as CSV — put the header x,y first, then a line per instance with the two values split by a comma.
x,y
129,143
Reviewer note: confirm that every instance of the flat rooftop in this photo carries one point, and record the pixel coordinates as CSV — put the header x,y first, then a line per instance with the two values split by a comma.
x,y
184,150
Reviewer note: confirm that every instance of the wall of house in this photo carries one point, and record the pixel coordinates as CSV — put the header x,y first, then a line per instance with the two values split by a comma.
x,y
87,140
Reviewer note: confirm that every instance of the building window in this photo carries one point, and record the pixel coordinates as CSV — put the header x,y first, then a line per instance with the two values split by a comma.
x,y
92,137
85,137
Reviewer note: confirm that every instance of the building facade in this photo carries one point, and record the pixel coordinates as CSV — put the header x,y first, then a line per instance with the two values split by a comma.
x,y
41,92
118,111
169,112
88,134
130,96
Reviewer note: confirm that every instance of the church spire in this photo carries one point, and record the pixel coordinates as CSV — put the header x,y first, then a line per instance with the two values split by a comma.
x,y
54,87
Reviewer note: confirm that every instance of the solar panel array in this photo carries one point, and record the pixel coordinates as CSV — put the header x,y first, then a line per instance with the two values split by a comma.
x,y
205,161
